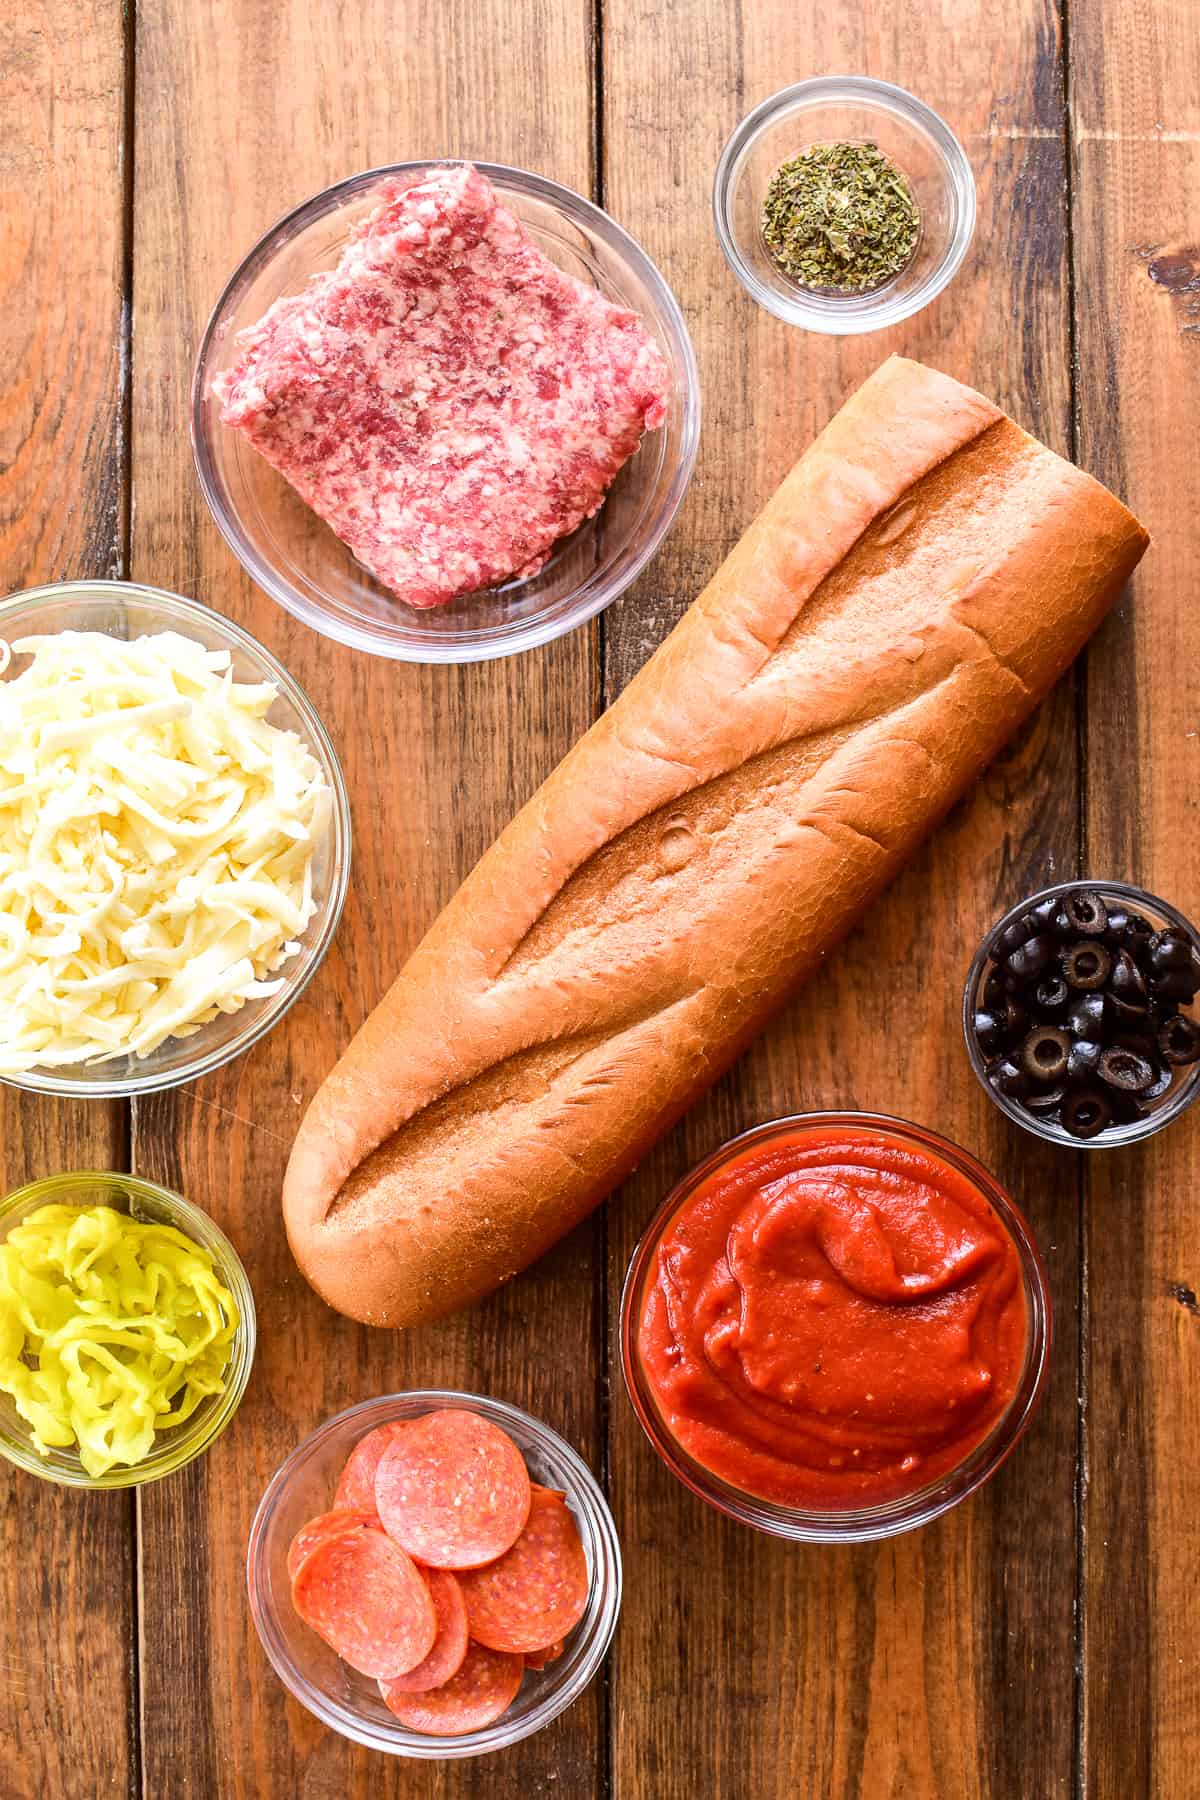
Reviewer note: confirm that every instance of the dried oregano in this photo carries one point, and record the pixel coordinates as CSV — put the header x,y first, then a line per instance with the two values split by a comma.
x,y
840,217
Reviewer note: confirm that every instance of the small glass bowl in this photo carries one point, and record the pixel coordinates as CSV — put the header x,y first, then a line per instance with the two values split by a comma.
x,y
855,1525
125,609
288,551
1179,1095
179,1445
841,108
351,1703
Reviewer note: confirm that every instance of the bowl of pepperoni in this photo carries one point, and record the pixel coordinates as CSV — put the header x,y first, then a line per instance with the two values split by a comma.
x,y
434,1574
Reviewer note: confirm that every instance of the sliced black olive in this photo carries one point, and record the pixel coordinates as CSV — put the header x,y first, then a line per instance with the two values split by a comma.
x,y
1089,1016
1086,965
1014,1017
1141,1041
1164,1075
995,993
1009,1078
1179,1040
1012,937
1127,1108
1086,1113
1126,1017
1052,996
1044,1053
1114,931
1046,1100
1083,1060
1127,981
990,1033
1043,915
1123,1068
1138,932
1086,913
1169,949
1177,985
1031,959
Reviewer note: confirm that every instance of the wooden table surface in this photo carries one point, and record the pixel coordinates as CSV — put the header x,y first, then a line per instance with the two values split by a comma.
x,y
1042,1639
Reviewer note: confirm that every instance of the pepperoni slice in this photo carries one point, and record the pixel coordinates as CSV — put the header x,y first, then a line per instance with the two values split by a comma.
x,y
356,1486
537,1591
484,1687
317,1530
537,1659
368,1600
453,1490
449,1646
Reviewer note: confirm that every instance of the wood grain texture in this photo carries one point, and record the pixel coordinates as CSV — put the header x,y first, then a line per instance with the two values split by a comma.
x,y
1135,82
945,1664
66,1583
268,105
942,1664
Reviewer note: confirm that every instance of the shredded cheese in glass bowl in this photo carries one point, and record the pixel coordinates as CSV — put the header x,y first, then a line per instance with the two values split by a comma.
x,y
174,839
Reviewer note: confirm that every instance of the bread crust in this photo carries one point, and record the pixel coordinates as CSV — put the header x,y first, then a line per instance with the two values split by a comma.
x,y
915,586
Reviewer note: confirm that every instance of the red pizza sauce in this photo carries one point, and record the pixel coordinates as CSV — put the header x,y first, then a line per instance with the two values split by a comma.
x,y
836,1317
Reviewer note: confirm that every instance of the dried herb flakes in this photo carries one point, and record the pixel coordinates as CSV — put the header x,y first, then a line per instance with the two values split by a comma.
x,y
840,217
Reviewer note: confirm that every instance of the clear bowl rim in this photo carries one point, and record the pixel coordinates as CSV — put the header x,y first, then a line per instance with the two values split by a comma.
x,y
241,1355
891,1518
305,966
520,636
869,90
395,1740
1115,1137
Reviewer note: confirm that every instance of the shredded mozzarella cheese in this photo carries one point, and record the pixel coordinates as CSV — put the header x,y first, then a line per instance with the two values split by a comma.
x,y
156,844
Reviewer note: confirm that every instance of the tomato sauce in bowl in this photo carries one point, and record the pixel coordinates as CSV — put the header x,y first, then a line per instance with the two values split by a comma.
x,y
836,1327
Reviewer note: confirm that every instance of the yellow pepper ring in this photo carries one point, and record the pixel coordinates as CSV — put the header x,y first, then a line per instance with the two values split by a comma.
x,y
111,1329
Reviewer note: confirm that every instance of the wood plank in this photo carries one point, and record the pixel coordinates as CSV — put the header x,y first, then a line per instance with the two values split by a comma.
x,y
269,104
941,1664
66,1677
1135,82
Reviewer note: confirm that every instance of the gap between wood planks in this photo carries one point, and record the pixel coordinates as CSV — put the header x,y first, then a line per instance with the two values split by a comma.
x,y
1079,695
1081,134
124,551
604,1348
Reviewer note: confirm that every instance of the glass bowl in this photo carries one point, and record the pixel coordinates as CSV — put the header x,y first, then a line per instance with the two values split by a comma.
x,y
1183,1089
298,560
835,108
859,1524
179,1444
124,609
351,1703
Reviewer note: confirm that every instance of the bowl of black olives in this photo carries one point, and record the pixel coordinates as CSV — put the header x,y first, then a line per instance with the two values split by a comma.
x,y
1080,1014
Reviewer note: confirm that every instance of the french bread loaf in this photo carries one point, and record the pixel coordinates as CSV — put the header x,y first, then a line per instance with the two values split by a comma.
x,y
918,582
